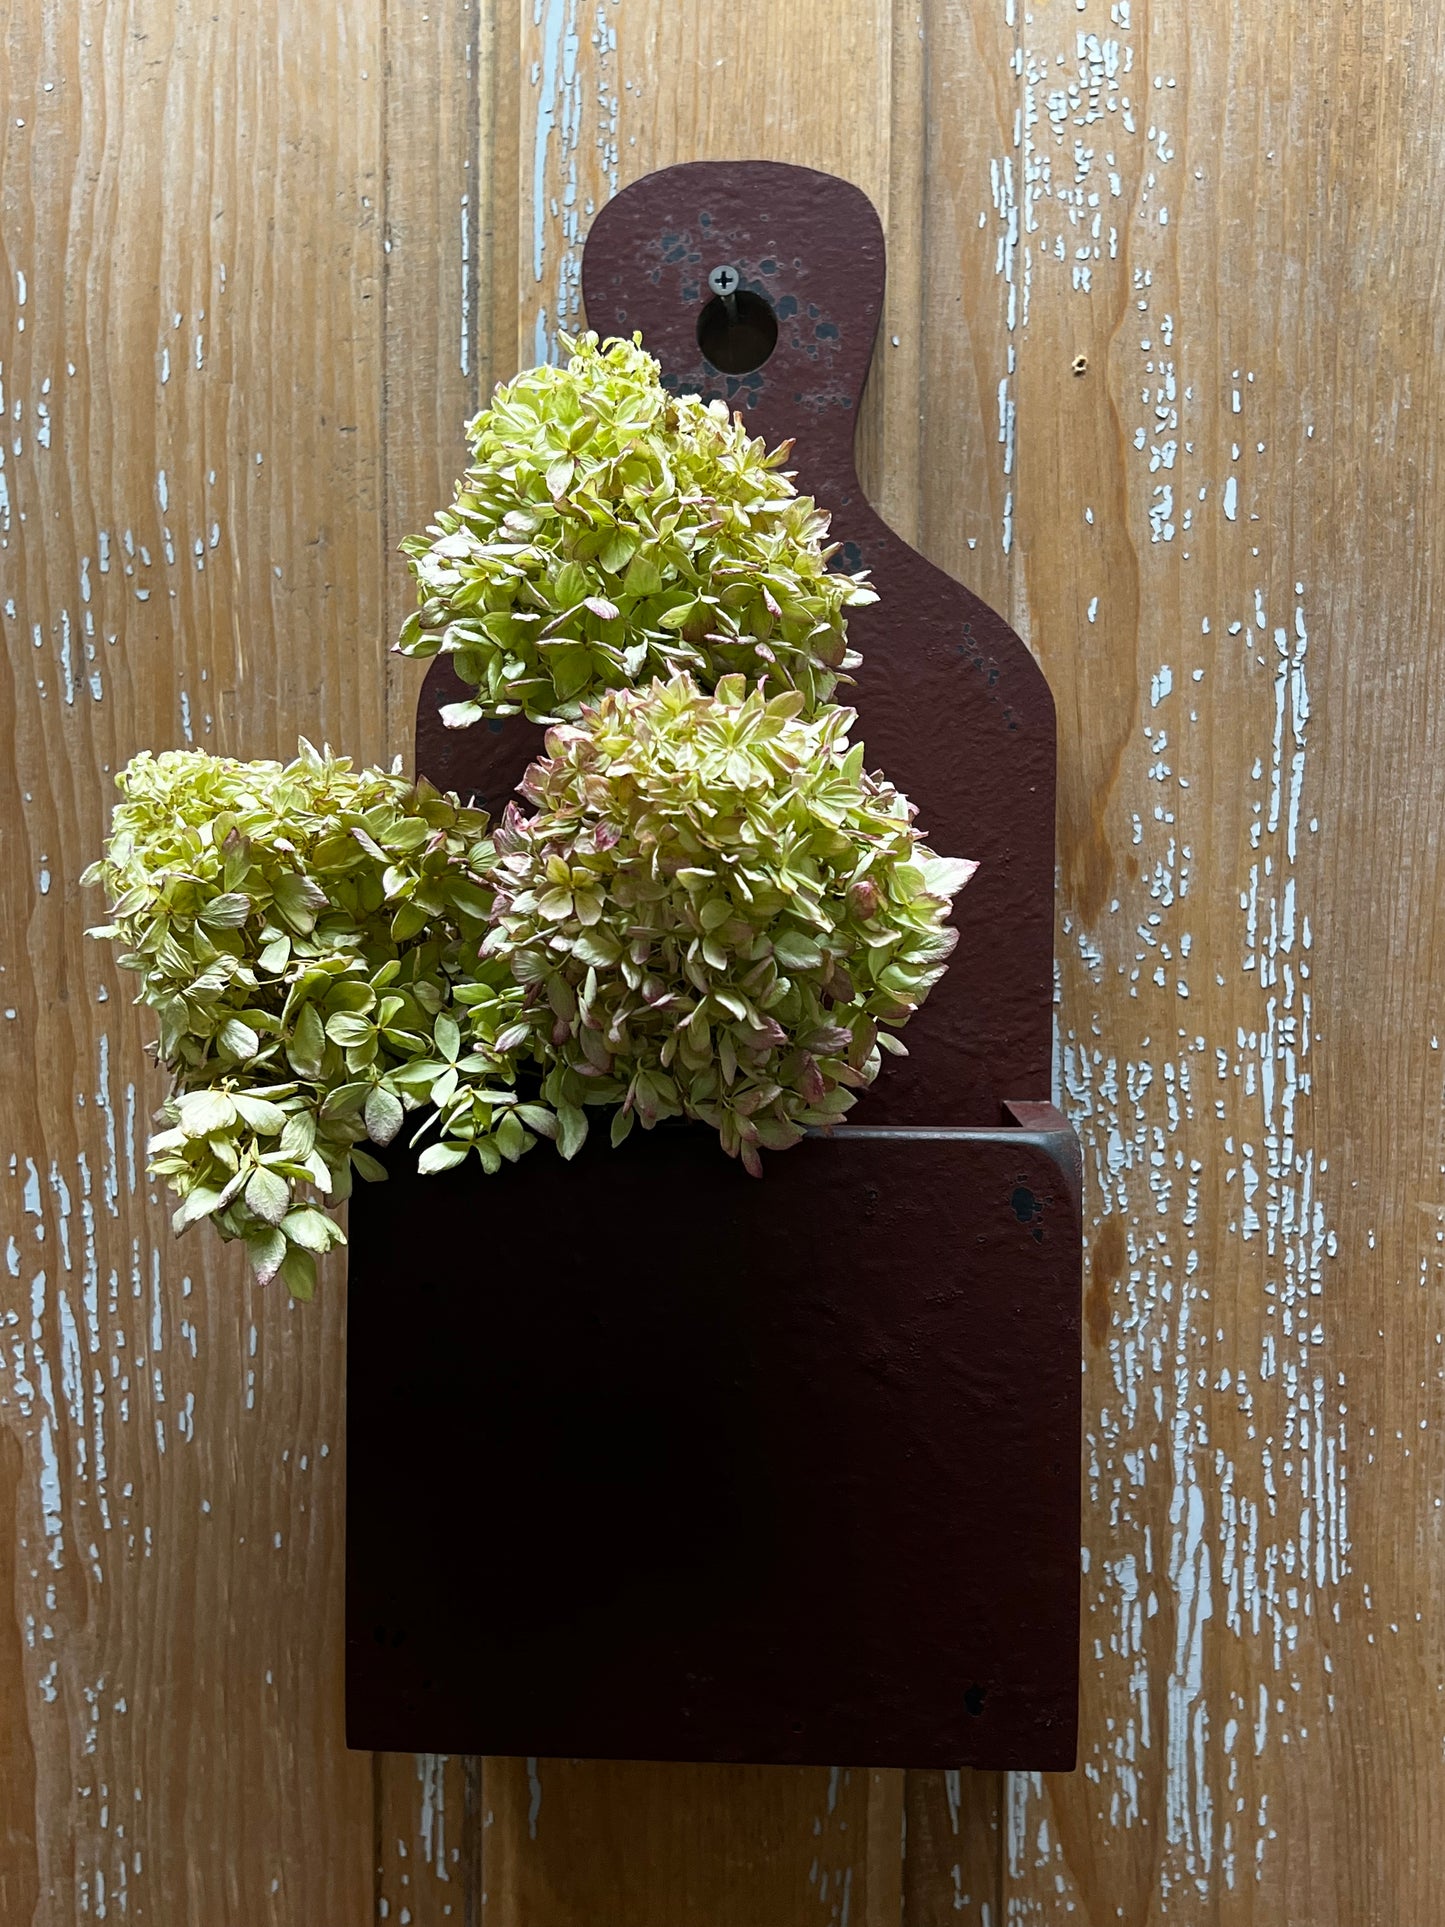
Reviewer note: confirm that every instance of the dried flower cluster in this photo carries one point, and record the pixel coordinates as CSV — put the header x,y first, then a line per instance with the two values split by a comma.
x,y
608,533
712,911
299,932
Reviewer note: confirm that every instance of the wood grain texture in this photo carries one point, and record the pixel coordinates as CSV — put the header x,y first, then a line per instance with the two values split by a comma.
x,y
192,552
237,234
436,354
573,1842
1249,981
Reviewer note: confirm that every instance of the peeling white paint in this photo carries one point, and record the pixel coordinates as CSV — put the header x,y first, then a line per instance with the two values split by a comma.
x,y
560,211
1256,1544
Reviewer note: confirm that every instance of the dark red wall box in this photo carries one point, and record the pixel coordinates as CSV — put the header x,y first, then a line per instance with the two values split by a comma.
x,y
770,1471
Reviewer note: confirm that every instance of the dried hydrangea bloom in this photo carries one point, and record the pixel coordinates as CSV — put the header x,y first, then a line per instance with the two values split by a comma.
x,y
719,913
609,532
299,932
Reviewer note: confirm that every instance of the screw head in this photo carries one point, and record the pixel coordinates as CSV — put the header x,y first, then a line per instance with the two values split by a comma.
x,y
724,280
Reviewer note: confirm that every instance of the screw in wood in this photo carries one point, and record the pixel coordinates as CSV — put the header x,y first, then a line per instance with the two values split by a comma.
x,y
725,280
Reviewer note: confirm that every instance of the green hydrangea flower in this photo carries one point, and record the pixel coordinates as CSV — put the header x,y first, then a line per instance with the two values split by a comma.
x,y
608,533
300,932
720,915
715,912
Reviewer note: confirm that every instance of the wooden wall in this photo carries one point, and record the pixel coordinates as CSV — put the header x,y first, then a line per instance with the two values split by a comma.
x,y
1160,377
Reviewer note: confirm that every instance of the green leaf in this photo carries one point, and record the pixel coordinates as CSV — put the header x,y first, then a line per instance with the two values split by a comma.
x,y
469,899
199,1203
555,904
680,615
266,1248
405,836
202,1112
617,551
310,1228
260,1113
238,1038
226,912
298,1274
346,1100
795,952
409,921
351,995
383,1114
946,876
448,1037
440,1157
571,1129
643,577
299,898
598,947
307,1048
368,1167
347,1029
268,1195
570,584
299,1136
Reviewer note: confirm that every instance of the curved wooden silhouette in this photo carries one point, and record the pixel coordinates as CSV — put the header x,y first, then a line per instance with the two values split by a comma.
x,y
783,1471
951,704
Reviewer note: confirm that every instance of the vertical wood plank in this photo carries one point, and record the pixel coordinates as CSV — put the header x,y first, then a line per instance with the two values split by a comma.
x,y
954,1847
1235,221
883,1862
573,1843
436,274
428,1839
191,533
450,279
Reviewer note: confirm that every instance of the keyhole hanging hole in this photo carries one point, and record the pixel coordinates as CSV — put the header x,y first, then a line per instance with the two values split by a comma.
x,y
737,335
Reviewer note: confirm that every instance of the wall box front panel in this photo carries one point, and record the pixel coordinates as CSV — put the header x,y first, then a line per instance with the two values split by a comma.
x,y
650,1460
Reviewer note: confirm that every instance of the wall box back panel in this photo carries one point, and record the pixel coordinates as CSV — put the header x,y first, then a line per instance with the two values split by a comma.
x,y
802,1485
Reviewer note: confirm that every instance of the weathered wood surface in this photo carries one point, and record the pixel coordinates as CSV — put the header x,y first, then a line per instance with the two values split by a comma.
x,y
257,265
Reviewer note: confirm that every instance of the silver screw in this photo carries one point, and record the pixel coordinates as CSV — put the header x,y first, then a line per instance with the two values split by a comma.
x,y
724,281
